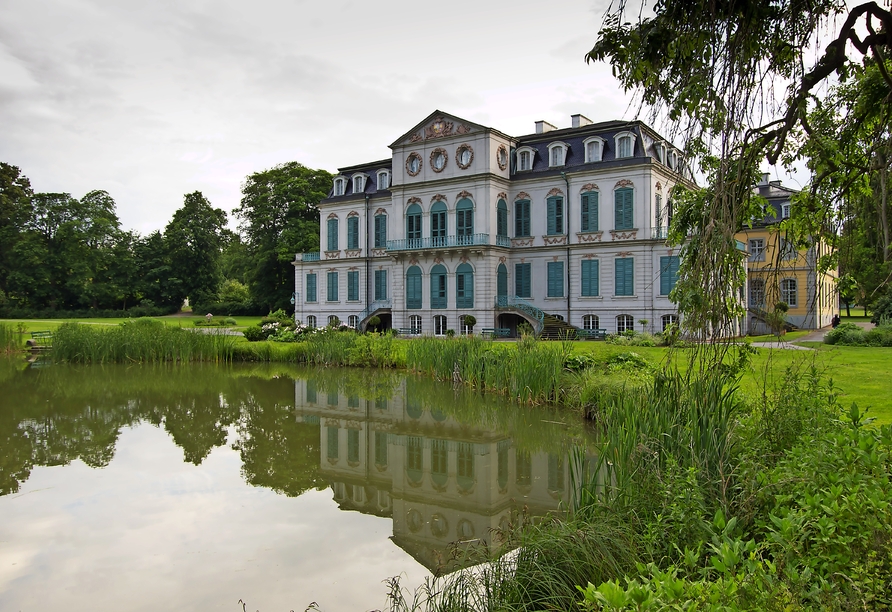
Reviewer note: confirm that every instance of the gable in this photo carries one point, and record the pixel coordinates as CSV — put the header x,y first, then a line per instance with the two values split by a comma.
x,y
437,125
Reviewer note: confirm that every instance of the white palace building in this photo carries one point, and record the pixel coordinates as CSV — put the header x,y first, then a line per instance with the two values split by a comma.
x,y
560,227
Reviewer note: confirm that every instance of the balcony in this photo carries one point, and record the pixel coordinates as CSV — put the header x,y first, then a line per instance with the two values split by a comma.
x,y
659,233
444,242
307,257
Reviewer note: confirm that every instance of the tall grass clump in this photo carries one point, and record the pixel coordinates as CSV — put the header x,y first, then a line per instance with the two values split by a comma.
x,y
9,338
139,341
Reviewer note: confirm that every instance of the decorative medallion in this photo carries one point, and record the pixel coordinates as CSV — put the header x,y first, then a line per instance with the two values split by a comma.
x,y
554,192
413,164
464,194
502,196
332,269
353,268
554,258
591,187
439,159
464,259
589,256
523,195
462,129
438,198
413,200
439,128
464,155
437,260
624,183
502,157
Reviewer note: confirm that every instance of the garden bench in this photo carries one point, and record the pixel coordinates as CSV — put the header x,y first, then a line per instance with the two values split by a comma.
x,y
591,334
407,331
40,339
496,332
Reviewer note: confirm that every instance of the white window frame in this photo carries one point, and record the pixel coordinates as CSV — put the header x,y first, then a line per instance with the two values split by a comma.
x,y
785,211
340,186
667,320
660,152
441,324
628,323
353,321
673,159
519,154
590,322
359,181
383,179
415,325
557,154
311,321
465,329
757,249
618,138
786,292
334,318
593,140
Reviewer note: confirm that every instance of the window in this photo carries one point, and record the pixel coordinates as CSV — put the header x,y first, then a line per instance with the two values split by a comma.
x,y
658,210
438,286
413,223
332,443
625,145
502,219
332,286
785,211
353,232
353,286
332,235
415,324
624,323
757,249
311,321
359,183
339,186
668,320
555,279
668,273
464,286
465,461
522,280
502,281
438,224
380,231
353,446
555,207
414,458
440,325
590,322
380,284
788,292
557,154
623,209
788,249
555,473
380,449
383,180
525,159
594,146
439,462
522,219
589,211
591,277
673,159
353,321
333,321
311,287
464,218
757,293
413,288
465,328
660,152
523,468
624,268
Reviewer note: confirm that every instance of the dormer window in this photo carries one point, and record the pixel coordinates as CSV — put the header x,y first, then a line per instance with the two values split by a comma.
x,y
673,160
340,185
525,158
785,211
557,154
383,180
359,183
660,152
594,149
625,144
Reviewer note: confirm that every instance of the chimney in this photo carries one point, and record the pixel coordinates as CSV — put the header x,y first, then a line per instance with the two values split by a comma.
x,y
764,181
580,120
544,126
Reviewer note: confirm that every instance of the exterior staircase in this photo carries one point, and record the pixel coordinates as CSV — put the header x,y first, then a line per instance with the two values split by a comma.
x,y
556,329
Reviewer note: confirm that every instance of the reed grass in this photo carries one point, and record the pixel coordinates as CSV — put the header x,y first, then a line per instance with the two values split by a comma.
x,y
9,338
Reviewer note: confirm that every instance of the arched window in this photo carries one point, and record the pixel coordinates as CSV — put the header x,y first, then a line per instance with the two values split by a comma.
x,y
438,224
502,219
522,227
464,286
465,473
311,321
625,144
557,154
594,146
465,328
667,320
415,325
413,225
414,459
440,325
359,183
438,286
332,234
590,322
333,321
757,293
624,322
353,321
502,281
525,157
340,185
464,220
413,288
383,180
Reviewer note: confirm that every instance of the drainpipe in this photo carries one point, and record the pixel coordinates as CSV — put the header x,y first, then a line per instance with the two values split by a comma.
x,y
567,218
368,256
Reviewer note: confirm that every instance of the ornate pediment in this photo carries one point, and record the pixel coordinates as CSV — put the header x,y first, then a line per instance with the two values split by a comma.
x,y
437,125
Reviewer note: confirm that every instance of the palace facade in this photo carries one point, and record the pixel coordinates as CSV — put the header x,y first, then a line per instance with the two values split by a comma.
x,y
559,228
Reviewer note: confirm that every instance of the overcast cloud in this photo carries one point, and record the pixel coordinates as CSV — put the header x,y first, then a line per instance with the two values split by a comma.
x,y
152,100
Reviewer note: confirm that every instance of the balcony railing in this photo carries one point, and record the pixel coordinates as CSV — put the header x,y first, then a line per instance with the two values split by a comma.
x,y
438,242
376,305
504,241
516,303
659,233
308,256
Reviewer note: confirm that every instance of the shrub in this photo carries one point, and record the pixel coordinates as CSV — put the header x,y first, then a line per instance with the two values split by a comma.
x,y
879,336
229,321
845,334
254,334
882,310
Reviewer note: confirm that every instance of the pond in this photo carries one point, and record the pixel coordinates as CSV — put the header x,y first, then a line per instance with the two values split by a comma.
x,y
192,487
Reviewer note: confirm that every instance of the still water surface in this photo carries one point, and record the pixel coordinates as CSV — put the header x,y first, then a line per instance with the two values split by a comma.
x,y
191,487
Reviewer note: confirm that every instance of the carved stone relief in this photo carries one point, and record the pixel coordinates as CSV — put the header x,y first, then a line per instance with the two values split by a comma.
x,y
554,192
620,235
624,183
552,240
463,194
590,237
438,128
502,196
332,254
522,242
413,200
523,195
438,198
590,187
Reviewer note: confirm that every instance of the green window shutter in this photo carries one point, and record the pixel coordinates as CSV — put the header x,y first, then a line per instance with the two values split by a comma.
x,y
380,284
380,231
555,216
332,235
464,286
438,286
522,218
522,280
311,287
464,213
413,288
502,281
413,222
590,212
353,285
332,286
623,209
591,272
502,218
352,232
555,279
625,276
668,274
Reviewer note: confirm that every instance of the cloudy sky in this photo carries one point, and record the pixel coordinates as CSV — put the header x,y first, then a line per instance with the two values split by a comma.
x,y
152,100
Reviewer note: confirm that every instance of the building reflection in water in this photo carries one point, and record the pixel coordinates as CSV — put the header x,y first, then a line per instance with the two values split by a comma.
x,y
445,481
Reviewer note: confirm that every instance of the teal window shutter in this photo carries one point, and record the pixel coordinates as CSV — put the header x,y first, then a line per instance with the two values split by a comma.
x,y
380,231
332,235
589,212
464,286
332,286
438,286
625,276
522,218
623,210
353,286
352,232
668,273
502,281
413,288
555,271
502,218
311,287
522,280
413,222
464,213
591,272
555,215
380,284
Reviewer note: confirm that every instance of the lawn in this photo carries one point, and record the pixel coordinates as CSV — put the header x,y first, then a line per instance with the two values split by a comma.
x,y
175,320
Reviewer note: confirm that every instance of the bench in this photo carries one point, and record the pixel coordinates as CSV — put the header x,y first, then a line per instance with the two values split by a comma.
x,y
40,339
407,331
591,334
496,332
